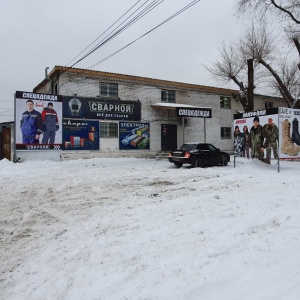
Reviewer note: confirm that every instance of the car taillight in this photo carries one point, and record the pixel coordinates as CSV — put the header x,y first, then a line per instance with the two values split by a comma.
x,y
187,155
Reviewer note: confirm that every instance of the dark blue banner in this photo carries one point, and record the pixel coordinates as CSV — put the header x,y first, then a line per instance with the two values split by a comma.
x,y
134,135
101,109
80,135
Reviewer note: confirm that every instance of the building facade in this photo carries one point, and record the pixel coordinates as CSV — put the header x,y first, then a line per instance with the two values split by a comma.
x,y
160,101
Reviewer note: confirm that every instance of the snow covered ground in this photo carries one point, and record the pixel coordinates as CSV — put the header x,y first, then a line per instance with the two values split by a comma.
x,y
132,228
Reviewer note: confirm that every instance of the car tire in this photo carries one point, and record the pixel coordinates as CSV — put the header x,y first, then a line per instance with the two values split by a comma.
x,y
178,165
198,163
224,161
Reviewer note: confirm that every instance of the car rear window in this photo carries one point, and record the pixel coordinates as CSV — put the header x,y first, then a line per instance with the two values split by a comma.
x,y
188,147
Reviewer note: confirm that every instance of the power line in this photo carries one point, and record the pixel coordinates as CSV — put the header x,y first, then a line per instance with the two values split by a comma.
x,y
103,32
162,23
115,33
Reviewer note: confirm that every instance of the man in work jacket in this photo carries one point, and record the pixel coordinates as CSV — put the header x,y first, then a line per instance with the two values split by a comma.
x,y
51,125
31,124
270,132
256,140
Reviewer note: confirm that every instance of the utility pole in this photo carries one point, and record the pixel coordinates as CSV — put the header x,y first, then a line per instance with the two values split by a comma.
x,y
250,90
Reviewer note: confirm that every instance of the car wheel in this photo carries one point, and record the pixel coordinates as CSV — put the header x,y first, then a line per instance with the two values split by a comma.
x,y
224,161
178,165
198,163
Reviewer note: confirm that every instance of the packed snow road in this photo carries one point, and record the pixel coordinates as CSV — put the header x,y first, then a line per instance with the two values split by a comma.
x,y
143,229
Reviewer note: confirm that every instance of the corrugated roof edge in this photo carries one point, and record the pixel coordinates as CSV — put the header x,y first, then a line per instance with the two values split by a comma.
x,y
134,78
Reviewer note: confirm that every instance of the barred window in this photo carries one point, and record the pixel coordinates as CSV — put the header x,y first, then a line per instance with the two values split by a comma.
x,y
108,90
225,132
225,102
268,105
108,130
168,96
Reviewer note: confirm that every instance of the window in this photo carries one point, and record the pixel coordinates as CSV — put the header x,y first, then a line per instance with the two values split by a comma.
x,y
108,90
168,96
268,105
225,102
225,132
108,130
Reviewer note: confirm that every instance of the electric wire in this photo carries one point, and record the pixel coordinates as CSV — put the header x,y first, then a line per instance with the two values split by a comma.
x,y
162,23
103,32
108,38
165,21
113,34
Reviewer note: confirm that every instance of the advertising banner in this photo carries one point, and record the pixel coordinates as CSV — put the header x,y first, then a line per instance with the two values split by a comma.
x,y
101,109
289,136
80,135
38,119
134,135
194,112
242,125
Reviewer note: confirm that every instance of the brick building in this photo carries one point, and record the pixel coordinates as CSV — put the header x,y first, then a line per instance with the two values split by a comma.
x,y
160,101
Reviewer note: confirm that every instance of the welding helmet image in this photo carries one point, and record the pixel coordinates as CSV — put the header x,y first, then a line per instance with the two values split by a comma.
x,y
75,106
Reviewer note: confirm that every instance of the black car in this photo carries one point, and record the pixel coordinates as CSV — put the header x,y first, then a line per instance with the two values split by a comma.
x,y
198,155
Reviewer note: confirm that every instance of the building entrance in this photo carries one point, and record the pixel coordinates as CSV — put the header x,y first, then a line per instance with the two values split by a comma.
x,y
168,137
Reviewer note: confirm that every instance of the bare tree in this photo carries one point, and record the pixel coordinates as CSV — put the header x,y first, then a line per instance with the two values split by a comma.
x,y
280,74
286,11
255,44
229,67
260,44
290,77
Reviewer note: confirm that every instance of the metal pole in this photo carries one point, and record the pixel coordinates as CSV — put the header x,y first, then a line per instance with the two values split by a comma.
x,y
204,130
14,159
183,130
278,167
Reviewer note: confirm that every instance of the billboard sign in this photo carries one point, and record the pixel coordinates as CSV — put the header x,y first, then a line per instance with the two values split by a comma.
x,y
289,140
101,108
133,135
287,122
194,112
38,119
80,134
244,123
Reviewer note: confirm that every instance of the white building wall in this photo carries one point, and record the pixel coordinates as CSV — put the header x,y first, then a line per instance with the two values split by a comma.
x,y
195,129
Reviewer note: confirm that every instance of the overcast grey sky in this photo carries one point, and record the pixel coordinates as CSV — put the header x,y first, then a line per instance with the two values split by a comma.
x,y
37,34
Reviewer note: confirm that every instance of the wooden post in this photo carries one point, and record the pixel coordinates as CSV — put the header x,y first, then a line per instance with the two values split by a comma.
x,y
250,91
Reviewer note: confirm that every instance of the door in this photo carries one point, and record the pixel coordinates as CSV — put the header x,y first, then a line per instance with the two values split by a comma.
x,y
6,143
168,137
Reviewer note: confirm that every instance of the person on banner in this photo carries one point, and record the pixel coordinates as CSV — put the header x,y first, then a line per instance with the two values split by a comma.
x,y
31,124
239,142
256,140
51,125
270,132
246,147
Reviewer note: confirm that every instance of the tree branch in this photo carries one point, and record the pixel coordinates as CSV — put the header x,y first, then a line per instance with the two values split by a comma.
x,y
285,11
283,89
